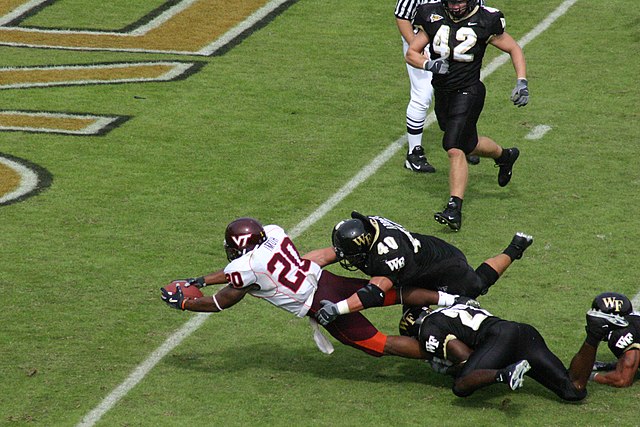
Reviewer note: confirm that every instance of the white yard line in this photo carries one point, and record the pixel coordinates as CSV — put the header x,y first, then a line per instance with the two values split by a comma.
x,y
192,325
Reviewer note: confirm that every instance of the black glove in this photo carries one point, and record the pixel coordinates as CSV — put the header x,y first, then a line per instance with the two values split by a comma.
x,y
198,282
327,313
604,366
520,94
466,301
437,66
173,300
440,366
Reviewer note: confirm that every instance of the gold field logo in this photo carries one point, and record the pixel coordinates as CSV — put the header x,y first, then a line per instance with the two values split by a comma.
x,y
177,27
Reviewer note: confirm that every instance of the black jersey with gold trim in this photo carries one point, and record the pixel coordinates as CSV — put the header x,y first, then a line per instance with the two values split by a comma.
x,y
402,256
621,340
463,42
460,322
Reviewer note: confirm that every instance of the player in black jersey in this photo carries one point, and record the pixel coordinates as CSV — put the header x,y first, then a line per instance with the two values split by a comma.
x,y
623,342
458,32
395,257
484,349
481,349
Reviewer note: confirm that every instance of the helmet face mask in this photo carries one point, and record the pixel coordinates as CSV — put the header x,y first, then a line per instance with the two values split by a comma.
x,y
351,242
459,9
241,236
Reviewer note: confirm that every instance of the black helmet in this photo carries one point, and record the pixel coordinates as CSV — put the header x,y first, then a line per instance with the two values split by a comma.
x,y
411,321
242,236
352,239
612,303
461,12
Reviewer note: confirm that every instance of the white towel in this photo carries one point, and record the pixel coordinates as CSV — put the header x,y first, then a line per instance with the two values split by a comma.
x,y
324,345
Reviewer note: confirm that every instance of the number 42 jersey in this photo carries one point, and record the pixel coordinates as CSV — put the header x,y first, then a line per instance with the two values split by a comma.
x,y
284,279
462,42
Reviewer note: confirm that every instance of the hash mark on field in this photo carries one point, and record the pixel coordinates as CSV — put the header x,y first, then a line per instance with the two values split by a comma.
x,y
191,326
538,132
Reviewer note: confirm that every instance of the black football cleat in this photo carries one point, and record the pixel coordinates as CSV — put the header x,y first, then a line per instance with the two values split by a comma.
x,y
450,216
416,161
506,168
521,242
599,324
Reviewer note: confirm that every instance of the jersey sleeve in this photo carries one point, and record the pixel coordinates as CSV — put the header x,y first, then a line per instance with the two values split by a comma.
x,y
405,9
419,18
239,273
434,338
621,340
497,23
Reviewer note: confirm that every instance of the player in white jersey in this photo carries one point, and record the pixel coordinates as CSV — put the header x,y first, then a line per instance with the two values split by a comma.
x,y
264,263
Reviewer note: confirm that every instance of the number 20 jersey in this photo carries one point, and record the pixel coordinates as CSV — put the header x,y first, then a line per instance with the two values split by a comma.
x,y
462,42
285,280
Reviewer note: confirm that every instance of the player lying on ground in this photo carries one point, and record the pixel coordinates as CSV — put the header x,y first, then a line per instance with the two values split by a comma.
x,y
624,342
395,258
483,349
264,262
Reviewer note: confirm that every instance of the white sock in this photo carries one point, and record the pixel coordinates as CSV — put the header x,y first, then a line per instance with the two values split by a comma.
x,y
414,141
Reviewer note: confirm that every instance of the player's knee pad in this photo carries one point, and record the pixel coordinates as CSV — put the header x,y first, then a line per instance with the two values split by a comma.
x,y
371,296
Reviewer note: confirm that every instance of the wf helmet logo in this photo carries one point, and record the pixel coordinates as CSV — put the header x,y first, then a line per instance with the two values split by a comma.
x,y
613,303
363,240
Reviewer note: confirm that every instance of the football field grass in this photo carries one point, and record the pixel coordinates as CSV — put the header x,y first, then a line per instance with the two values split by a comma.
x,y
290,124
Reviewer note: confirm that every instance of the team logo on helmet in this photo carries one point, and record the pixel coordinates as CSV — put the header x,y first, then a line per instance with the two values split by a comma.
x,y
612,303
243,235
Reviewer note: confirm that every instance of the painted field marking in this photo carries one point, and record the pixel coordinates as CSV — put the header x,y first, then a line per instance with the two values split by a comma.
x,y
188,27
20,179
111,73
58,123
537,132
28,180
193,324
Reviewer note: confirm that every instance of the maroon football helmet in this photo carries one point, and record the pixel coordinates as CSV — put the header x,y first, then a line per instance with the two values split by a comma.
x,y
242,236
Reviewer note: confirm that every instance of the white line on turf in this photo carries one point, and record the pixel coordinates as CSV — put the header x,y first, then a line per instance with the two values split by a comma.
x,y
192,325
537,132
